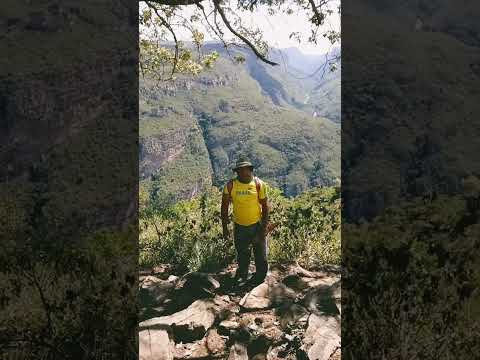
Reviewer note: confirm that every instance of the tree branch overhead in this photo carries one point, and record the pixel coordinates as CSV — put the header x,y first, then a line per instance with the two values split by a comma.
x,y
223,22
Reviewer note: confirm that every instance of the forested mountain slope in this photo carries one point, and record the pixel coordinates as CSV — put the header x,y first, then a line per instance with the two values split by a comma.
x,y
192,130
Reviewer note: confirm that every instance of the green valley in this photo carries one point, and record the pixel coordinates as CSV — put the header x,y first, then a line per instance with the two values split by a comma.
x,y
193,129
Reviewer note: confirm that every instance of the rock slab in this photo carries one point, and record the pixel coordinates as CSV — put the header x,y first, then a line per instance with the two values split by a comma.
x,y
267,295
258,298
189,324
322,337
155,344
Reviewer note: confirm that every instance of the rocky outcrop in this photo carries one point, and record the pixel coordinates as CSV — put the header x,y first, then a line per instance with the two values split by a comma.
x,y
187,84
322,337
219,80
189,324
155,344
205,317
168,152
159,111
157,150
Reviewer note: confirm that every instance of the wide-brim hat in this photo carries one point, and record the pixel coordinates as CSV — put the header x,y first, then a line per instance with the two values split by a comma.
x,y
241,164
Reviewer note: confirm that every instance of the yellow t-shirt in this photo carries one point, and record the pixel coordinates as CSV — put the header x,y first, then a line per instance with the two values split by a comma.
x,y
246,208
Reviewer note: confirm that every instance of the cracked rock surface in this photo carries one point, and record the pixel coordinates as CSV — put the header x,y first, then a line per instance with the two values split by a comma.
x,y
293,314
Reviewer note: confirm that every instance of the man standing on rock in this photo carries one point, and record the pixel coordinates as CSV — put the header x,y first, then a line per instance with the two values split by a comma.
x,y
250,216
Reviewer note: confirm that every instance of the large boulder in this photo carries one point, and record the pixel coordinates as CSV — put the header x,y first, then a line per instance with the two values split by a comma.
x,y
258,298
267,295
155,344
194,286
153,295
189,324
322,337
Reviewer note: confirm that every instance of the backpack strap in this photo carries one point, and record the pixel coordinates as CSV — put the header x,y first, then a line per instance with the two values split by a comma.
x,y
257,185
230,187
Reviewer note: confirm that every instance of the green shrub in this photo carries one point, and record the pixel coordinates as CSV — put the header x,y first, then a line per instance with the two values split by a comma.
x,y
307,227
188,235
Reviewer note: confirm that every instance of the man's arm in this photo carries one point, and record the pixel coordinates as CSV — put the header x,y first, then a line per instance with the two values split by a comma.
x,y
224,214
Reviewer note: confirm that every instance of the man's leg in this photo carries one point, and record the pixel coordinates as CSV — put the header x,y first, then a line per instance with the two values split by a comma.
x,y
242,246
260,250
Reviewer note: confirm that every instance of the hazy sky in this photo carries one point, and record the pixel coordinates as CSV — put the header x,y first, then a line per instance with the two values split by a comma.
x,y
277,28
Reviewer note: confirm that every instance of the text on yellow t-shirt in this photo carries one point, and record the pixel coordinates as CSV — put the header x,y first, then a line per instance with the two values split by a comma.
x,y
246,208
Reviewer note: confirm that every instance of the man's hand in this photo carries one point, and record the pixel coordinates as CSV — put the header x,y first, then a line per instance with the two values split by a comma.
x,y
265,217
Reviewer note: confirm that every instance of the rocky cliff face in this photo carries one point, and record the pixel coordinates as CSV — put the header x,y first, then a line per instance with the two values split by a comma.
x,y
173,157
186,84
156,151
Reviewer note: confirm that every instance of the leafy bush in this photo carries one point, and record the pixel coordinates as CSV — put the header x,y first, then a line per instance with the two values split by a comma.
x,y
307,227
188,235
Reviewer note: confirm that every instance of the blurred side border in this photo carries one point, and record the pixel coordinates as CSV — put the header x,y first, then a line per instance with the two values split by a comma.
x,y
410,179
69,180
